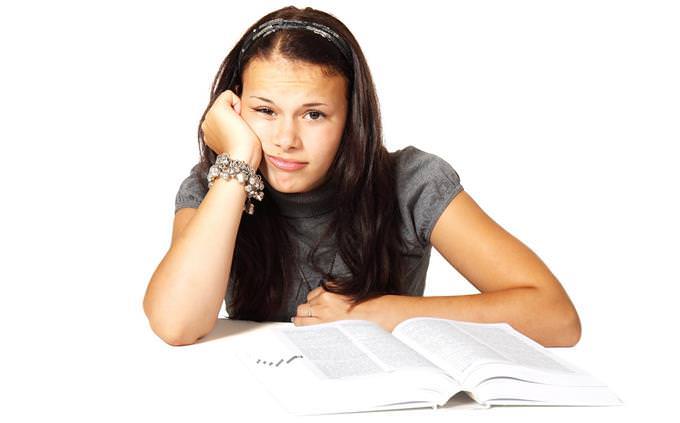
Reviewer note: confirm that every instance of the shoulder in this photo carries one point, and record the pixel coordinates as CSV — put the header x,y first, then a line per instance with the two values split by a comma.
x,y
193,188
425,184
412,162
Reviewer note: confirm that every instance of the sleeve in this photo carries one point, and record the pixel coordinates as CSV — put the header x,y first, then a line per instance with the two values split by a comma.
x,y
193,189
426,184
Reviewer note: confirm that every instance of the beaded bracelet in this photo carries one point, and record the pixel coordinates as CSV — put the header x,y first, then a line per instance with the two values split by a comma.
x,y
227,168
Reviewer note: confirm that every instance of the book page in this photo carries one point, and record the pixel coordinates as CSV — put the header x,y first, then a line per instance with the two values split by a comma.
x,y
514,349
447,346
296,385
351,348
459,347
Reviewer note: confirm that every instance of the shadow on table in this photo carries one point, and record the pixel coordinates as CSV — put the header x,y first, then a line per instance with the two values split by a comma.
x,y
227,327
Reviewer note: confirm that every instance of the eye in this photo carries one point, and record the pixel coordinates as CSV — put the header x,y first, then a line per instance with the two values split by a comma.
x,y
317,113
264,110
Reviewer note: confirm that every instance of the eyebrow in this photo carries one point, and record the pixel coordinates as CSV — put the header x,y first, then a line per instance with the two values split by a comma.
x,y
304,105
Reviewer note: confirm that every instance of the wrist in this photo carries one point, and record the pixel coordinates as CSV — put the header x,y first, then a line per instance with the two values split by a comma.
x,y
227,167
251,159
376,310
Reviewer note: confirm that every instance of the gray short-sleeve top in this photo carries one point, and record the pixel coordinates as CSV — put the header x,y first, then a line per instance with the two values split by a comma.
x,y
425,185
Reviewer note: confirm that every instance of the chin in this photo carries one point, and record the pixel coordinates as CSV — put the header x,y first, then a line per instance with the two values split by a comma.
x,y
284,182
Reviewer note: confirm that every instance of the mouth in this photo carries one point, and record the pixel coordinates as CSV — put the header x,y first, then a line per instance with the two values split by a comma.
x,y
285,164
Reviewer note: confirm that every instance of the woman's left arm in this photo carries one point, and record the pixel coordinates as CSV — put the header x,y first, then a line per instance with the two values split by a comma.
x,y
515,285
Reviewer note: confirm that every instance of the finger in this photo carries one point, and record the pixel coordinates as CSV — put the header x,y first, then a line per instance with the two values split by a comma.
x,y
228,100
305,321
225,98
303,310
315,293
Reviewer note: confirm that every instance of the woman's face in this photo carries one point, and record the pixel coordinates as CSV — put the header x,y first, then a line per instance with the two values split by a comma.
x,y
298,113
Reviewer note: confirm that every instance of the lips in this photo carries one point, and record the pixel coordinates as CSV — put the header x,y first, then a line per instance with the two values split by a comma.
x,y
287,161
286,165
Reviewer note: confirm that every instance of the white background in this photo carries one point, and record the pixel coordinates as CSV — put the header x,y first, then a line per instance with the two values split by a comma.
x,y
562,120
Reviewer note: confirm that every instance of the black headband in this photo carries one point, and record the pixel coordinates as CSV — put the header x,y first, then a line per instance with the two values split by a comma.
x,y
274,25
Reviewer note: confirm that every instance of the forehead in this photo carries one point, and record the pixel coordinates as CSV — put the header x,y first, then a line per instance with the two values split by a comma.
x,y
279,74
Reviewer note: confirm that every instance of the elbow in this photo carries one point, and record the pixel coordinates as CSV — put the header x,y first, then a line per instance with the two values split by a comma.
x,y
170,334
175,331
179,341
567,332
176,335
574,330
174,338
562,325
571,324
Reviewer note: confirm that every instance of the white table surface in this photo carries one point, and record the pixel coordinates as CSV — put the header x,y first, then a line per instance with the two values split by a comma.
x,y
127,373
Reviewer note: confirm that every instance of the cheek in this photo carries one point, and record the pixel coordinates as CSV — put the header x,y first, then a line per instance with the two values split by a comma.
x,y
331,136
332,148
327,153
260,127
322,144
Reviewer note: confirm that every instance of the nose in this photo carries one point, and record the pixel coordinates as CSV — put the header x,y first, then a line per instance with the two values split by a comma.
x,y
286,135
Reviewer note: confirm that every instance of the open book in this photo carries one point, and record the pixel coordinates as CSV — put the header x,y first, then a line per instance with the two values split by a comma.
x,y
356,365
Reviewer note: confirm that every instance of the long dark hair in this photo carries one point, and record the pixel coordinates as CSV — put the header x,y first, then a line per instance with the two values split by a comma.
x,y
366,218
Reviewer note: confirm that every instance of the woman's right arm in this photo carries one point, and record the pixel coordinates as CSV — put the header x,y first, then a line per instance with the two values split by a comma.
x,y
187,288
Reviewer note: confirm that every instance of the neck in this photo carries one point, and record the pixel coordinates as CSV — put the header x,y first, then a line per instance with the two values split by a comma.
x,y
316,202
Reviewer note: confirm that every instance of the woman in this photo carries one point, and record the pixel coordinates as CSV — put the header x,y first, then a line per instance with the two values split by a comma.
x,y
340,227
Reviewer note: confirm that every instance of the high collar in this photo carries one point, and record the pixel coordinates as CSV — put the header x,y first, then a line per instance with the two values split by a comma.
x,y
316,202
